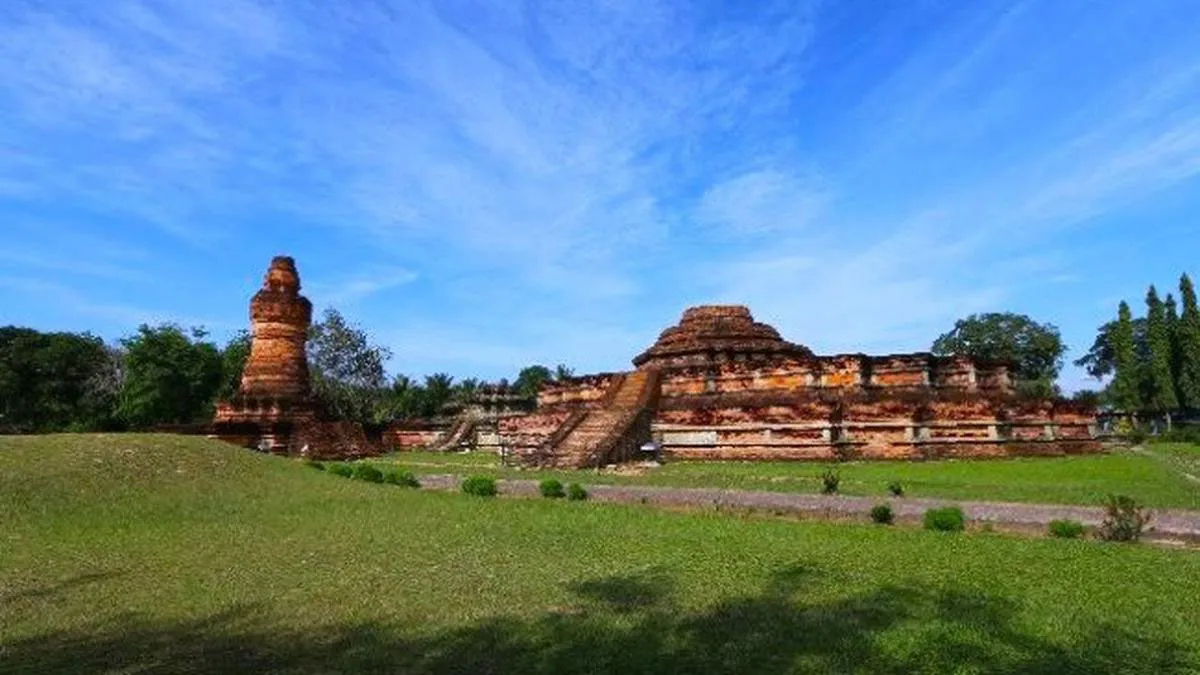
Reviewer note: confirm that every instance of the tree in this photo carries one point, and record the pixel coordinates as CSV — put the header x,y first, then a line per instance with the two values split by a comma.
x,y
1158,392
531,379
233,362
1124,389
48,380
1037,349
439,390
1100,360
1188,341
171,377
1172,319
562,373
347,371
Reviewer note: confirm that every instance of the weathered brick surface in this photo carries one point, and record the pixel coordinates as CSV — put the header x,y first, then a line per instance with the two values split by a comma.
x,y
732,388
274,405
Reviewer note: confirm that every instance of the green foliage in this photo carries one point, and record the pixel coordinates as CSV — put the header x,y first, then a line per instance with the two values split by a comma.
x,y
882,514
401,477
347,371
1100,360
562,372
1125,390
552,488
947,519
368,472
233,361
531,379
1066,529
1179,434
1125,519
830,482
56,381
343,470
576,493
171,377
1158,381
480,486
1037,349
314,464
1187,349
896,488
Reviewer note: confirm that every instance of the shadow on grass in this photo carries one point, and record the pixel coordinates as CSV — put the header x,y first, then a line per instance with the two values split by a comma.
x,y
628,624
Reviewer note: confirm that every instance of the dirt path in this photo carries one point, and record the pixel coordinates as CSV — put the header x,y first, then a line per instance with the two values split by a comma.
x,y
1168,522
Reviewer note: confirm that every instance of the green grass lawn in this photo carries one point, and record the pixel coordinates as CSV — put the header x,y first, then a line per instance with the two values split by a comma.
x,y
179,555
1050,480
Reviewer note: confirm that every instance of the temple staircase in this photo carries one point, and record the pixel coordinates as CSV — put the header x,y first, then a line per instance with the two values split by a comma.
x,y
458,434
610,433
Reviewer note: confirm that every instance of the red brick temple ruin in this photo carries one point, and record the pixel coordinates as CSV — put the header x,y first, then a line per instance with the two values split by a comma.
x,y
718,385
274,409
721,386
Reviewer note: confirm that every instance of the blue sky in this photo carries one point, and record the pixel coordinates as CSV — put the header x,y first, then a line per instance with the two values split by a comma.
x,y
487,185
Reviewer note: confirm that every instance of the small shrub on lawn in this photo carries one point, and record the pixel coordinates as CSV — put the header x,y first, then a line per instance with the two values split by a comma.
x,y
948,519
1125,520
368,473
480,486
313,464
343,470
552,489
896,488
401,477
1066,529
830,482
882,514
576,493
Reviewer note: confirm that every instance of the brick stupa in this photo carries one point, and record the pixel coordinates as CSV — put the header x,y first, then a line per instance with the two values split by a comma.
x,y
274,408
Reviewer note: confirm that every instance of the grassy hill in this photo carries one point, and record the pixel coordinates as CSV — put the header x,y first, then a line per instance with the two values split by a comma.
x,y
131,553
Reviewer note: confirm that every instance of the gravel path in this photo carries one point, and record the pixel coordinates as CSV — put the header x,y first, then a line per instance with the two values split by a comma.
x,y
1168,522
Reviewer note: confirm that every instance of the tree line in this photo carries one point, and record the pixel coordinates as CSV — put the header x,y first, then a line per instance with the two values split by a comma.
x,y
168,375
1152,361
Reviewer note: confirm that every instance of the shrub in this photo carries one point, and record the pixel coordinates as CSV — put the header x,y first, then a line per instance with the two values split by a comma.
x,y
576,493
480,486
1179,434
1125,520
313,464
368,473
947,519
896,488
552,489
342,470
882,514
1066,529
401,477
830,482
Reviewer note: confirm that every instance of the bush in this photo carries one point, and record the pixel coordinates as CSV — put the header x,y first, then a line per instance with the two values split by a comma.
x,y
313,464
1179,434
1125,520
576,493
830,482
342,470
480,486
1066,529
401,477
948,519
552,489
882,514
896,488
368,473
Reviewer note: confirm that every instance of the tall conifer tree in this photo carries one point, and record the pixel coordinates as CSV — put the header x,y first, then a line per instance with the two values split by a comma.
x,y
1172,315
1159,386
1188,340
1124,387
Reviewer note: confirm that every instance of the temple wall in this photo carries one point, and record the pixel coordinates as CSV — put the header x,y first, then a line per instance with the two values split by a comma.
x,y
529,431
576,392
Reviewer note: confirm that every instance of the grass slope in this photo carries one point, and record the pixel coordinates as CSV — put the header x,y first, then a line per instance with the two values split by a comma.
x,y
1048,480
167,554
